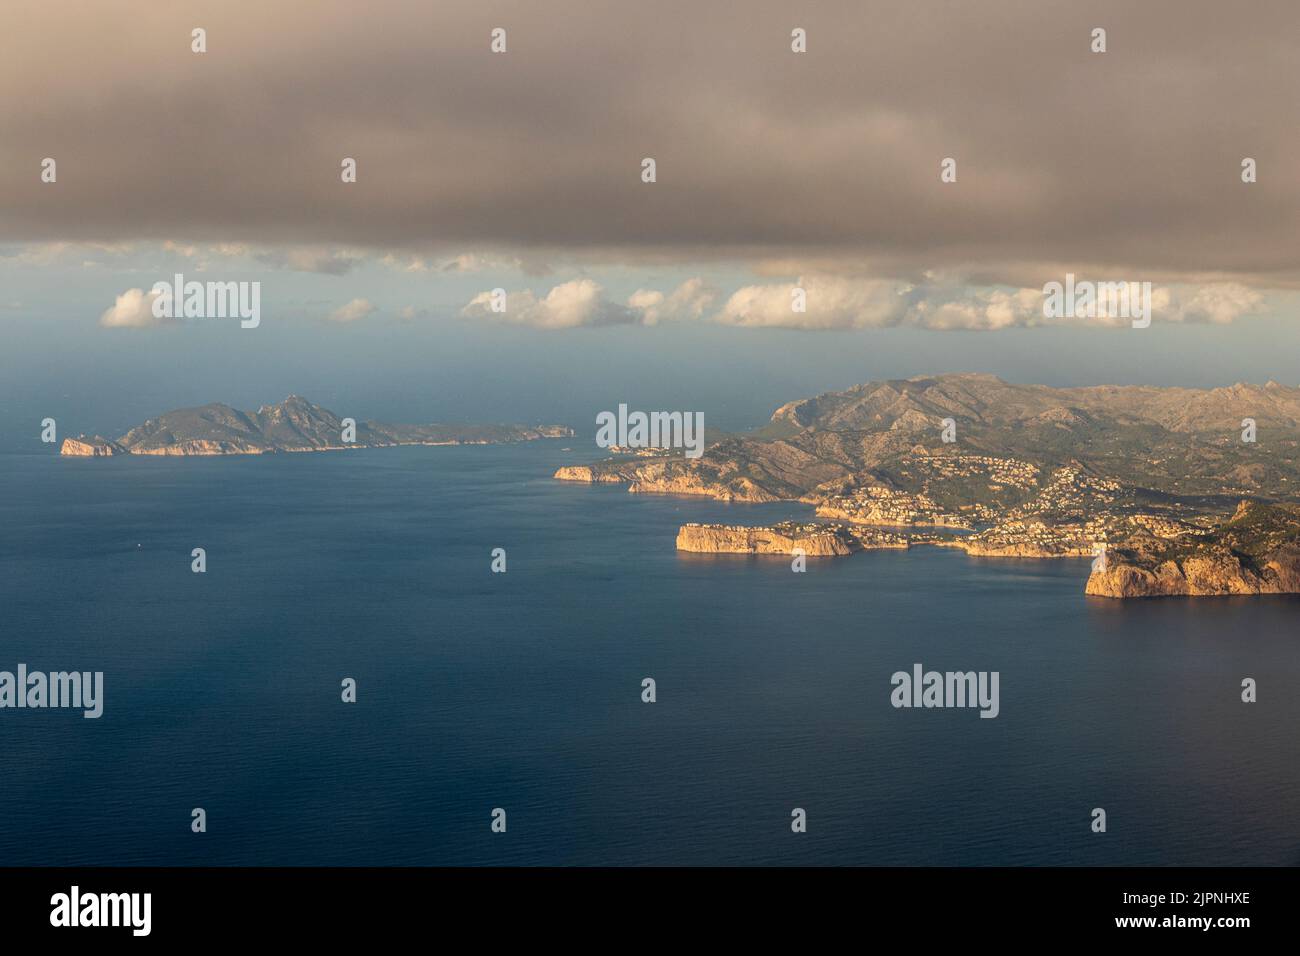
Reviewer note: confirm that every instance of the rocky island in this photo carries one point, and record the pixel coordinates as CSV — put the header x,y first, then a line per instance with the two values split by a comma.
x,y
1172,491
294,425
814,539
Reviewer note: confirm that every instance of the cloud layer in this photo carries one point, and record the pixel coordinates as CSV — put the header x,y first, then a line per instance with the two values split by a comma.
x,y
352,311
825,303
1127,160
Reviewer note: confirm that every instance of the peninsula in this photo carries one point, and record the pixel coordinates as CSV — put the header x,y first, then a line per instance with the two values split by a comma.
x,y
1172,491
293,425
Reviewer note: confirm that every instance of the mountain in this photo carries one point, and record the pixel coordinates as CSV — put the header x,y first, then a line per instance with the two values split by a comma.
x,y
986,399
1176,441
293,425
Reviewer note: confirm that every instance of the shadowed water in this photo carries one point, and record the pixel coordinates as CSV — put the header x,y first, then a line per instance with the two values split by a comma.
x,y
522,690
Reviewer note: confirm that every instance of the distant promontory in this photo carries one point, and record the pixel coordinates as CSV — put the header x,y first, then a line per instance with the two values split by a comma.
x,y
293,425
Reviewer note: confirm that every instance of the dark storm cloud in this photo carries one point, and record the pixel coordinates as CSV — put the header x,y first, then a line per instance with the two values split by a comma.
x,y
830,159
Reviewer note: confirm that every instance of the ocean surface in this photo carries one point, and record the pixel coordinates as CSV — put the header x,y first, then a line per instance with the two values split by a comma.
x,y
523,690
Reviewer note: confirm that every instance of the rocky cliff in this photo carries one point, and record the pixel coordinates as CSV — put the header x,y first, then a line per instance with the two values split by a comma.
x,y
1257,551
585,473
674,480
1219,573
92,447
733,539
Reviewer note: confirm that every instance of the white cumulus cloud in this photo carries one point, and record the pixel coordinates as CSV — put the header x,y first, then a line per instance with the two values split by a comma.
x,y
573,304
352,311
133,309
688,301
1221,304
582,302
831,302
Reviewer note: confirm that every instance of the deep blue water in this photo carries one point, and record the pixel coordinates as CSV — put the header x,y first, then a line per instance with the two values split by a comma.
x,y
522,690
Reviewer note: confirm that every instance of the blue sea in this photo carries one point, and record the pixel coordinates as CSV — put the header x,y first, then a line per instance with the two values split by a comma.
x,y
522,690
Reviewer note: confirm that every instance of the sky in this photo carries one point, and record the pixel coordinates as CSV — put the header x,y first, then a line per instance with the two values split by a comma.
x,y
917,171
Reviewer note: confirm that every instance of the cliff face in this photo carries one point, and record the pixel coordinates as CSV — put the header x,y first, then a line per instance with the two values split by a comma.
x,y
1256,551
730,539
673,477
661,481
95,447
1213,573
200,447
585,473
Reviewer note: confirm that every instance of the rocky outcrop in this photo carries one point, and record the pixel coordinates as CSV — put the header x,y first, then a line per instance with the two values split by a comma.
x,y
733,539
668,478
692,483
1256,551
1216,572
94,447
587,474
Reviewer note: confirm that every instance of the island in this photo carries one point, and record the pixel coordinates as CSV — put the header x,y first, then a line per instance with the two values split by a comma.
x,y
813,539
1170,491
294,425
